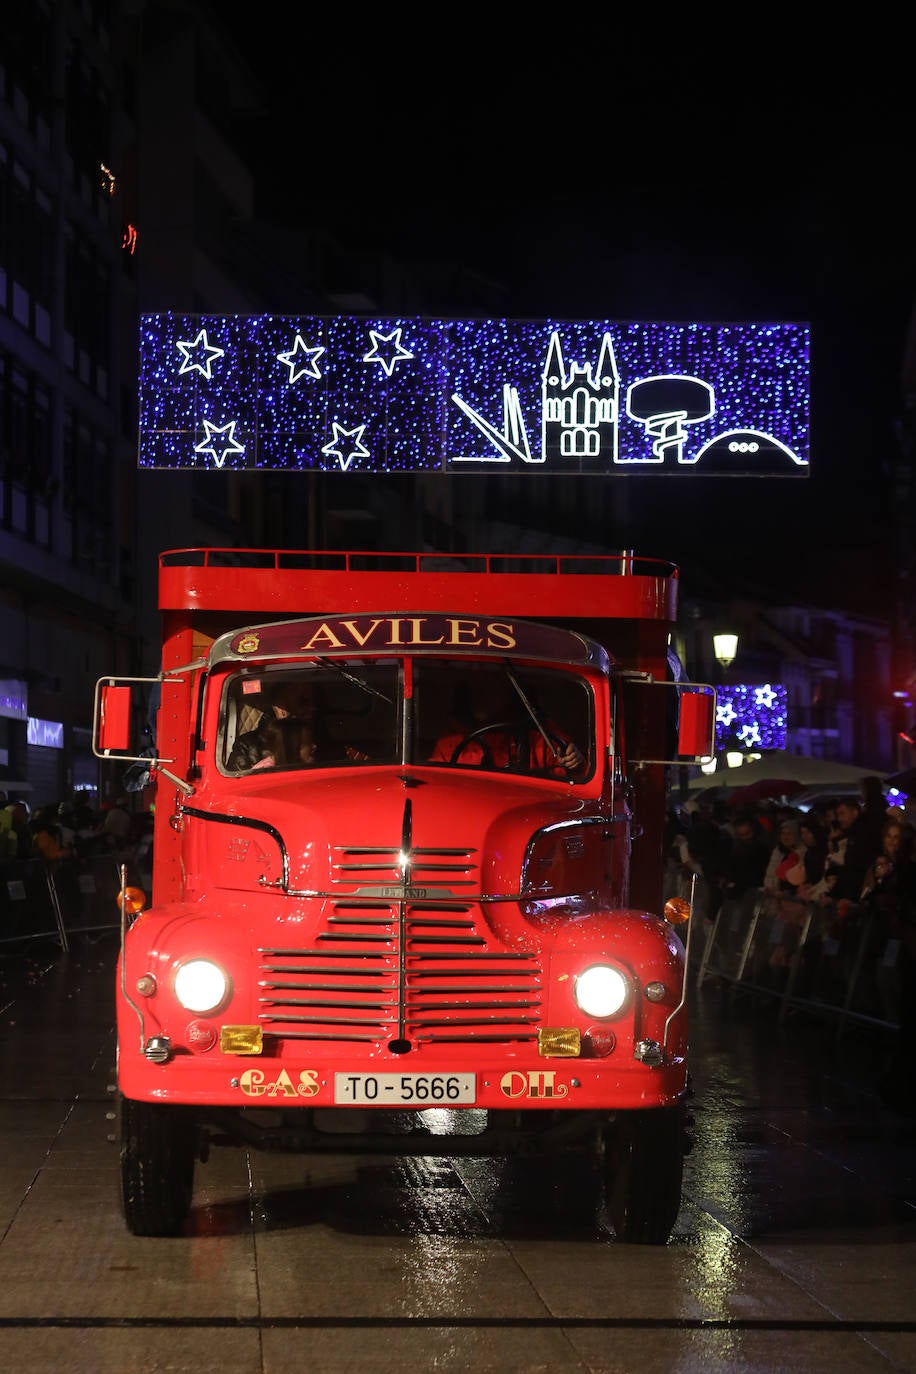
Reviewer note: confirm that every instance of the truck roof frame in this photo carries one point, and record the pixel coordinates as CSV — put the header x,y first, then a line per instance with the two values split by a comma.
x,y
541,587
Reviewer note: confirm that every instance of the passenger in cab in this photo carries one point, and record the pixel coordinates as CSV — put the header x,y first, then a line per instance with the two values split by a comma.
x,y
282,737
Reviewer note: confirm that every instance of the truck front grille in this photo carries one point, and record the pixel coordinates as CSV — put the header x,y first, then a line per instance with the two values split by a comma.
x,y
383,971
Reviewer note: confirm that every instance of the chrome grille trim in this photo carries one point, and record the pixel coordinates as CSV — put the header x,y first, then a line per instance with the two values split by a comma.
x,y
333,935
389,863
420,971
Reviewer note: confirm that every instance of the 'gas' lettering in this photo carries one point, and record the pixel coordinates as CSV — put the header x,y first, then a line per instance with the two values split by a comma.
x,y
308,1083
254,1084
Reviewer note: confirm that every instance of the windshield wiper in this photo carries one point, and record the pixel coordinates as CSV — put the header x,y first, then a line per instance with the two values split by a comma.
x,y
357,681
510,672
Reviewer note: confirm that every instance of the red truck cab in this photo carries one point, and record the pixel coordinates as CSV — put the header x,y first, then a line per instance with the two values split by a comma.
x,y
407,862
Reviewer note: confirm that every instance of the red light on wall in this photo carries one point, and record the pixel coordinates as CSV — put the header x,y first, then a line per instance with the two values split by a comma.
x,y
129,238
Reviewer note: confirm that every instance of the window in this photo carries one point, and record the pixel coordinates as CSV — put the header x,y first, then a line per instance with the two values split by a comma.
x,y
87,310
481,715
317,716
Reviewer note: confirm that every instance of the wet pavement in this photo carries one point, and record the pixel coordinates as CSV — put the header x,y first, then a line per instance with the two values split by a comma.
x,y
795,1247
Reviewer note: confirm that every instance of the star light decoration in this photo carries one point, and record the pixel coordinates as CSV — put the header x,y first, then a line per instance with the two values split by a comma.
x,y
388,358
754,715
345,453
301,360
208,355
428,394
219,452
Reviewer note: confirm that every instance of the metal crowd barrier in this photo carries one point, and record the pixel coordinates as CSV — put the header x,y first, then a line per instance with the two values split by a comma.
x,y
63,897
28,903
798,954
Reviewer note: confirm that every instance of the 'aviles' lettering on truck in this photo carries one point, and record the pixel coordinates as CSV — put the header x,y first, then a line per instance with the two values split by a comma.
x,y
398,632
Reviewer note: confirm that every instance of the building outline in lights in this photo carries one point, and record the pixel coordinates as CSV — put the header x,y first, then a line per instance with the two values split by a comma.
x,y
579,411
511,442
664,422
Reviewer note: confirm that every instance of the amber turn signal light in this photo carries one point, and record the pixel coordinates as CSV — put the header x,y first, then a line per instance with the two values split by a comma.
x,y
560,1042
134,900
241,1039
677,910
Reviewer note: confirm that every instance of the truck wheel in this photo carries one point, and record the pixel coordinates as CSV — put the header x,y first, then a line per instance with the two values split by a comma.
x,y
644,1163
158,1148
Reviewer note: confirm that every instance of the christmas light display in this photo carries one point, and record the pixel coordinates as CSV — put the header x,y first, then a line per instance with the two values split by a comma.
x,y
353,393
751,717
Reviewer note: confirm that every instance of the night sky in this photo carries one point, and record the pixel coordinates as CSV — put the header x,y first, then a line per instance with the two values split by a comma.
x,y
665,173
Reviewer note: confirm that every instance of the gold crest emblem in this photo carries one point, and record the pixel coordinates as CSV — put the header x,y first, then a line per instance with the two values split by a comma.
x,y
248,644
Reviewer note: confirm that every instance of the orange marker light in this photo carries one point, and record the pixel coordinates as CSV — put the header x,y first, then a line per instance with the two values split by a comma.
x,y
134,900
677,910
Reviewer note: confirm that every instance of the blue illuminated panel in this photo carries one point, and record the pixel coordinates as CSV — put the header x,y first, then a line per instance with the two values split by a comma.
x,y
357,394
751,717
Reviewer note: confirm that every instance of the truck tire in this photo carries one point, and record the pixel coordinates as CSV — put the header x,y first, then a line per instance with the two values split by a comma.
x,y
158,1149
644,1169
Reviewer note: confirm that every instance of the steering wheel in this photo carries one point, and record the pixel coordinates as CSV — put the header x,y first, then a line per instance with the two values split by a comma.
x,y
505,727
512,730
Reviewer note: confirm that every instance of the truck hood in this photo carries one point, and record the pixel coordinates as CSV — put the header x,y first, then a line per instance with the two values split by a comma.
x,y
348,831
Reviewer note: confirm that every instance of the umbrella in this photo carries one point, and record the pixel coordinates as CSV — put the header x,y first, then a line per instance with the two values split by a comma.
x,y
778,766
764,788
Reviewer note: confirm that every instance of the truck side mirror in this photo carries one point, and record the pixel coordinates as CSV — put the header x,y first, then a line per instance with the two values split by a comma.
x,y
113,723
669,722
111,726
113,718
696,724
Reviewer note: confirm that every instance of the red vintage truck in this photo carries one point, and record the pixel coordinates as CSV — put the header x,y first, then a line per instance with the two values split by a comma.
x,y
407,872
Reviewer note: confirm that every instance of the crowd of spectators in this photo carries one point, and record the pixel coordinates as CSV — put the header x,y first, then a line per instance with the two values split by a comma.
x,y
70,829
844,866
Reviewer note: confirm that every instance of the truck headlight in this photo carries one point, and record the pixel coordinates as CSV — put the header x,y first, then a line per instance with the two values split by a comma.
x,y
601,991
201,986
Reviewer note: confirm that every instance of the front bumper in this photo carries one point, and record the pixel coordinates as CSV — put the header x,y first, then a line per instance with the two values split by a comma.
x,y
507,1080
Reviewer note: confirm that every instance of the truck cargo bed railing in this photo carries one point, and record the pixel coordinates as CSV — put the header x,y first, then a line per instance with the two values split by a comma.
x,y
623,564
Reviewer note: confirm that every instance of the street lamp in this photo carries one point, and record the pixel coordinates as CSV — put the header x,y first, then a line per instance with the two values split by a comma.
x,y
725,646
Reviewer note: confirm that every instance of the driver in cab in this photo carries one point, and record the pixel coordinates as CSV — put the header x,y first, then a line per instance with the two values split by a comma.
x,y
492,727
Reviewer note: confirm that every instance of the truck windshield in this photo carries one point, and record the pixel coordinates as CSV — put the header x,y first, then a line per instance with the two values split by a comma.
x,y
458,713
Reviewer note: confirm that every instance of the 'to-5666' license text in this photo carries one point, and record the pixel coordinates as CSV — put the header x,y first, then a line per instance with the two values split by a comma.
x,y
405,1089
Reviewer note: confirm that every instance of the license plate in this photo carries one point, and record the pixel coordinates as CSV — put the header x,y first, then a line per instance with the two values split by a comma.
x,y
405,1089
